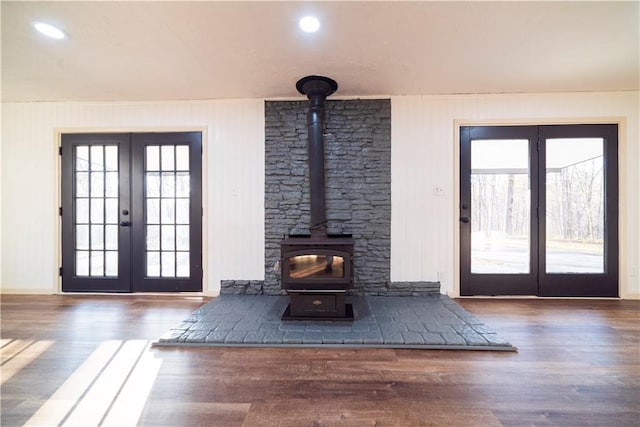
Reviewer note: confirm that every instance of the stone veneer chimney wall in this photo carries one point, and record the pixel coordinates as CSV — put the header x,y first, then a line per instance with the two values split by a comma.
x,y
358,190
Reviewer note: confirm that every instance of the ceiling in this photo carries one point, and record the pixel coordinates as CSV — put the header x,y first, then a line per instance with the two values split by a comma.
x,y
172,50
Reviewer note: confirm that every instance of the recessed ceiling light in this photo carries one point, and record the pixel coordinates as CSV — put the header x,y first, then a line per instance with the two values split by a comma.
x,y
309,24
50,31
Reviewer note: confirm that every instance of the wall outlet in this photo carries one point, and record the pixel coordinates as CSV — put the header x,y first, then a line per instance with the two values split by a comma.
x,y
437,191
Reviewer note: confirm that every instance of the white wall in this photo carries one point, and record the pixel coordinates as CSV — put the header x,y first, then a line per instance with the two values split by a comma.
x,y
425,155
1,198
233,170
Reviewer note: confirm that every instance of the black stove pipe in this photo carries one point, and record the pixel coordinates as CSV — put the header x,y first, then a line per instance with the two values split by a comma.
x,y
317,88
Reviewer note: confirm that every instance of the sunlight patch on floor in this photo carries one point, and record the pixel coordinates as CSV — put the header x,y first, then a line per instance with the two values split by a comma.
x,y
12,348
109,388
128,406
19,353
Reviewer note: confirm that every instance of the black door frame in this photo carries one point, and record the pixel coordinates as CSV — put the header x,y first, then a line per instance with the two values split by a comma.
x,y
140,283
538,282
500,284
593,284
195,138
72,282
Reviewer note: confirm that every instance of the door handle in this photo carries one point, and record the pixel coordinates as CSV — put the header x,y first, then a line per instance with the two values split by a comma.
x,y
125,224
464,219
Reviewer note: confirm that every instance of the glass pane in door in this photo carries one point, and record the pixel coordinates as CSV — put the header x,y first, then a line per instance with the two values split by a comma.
x,y
574,205
316,266
95,202
167,201
500,206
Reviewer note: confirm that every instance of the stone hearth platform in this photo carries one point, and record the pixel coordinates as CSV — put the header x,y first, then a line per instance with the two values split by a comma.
x,y
426,322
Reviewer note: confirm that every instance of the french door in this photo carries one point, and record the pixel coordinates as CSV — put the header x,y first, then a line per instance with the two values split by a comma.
x,y
539,210
131,212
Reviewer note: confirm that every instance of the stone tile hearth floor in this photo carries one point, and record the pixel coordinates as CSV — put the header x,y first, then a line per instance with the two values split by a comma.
x,y
425,322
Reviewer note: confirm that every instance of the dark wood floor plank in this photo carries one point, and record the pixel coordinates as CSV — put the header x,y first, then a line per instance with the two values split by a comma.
x,y
578,365
391,412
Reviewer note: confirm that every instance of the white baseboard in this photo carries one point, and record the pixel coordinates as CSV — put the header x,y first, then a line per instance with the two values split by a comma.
x,y
27,291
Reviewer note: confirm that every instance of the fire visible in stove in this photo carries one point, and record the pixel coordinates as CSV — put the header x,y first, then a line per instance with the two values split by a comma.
x,y
313,264
316,266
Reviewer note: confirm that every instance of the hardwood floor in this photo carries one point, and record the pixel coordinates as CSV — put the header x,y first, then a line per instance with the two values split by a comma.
x,y
84,360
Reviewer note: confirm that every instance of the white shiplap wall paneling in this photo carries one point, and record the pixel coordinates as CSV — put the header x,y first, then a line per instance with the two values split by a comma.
x,y
423,228
233,168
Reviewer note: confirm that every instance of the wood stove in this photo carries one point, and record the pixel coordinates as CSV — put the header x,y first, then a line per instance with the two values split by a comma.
x,y
316,273
317,269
